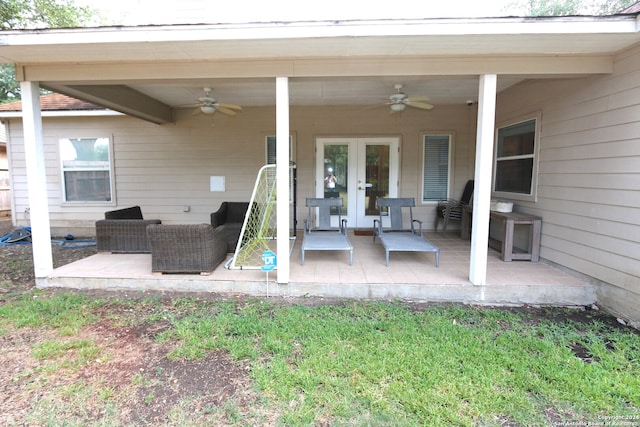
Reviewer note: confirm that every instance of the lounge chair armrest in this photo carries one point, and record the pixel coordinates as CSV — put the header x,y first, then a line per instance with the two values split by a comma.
x,y
377,228
419,226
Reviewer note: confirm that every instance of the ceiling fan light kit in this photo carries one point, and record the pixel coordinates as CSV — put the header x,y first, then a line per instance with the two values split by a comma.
x,y
208,109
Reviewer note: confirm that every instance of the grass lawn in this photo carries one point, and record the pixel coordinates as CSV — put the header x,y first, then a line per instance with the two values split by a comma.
x,y
343,363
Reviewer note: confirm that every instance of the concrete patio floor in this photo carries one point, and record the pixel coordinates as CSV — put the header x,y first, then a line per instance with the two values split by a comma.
x,y
409,276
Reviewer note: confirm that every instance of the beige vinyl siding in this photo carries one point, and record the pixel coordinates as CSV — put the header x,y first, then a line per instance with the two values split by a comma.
x,y
589,175
163,168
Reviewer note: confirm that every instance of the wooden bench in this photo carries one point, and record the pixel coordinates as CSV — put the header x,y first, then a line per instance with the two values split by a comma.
x,y
509,221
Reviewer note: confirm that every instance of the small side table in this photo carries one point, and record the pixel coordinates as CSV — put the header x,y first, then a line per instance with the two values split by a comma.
x,y
509,221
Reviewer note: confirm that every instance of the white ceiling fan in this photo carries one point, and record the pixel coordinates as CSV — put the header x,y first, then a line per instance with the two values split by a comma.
x,y
399,101
209,105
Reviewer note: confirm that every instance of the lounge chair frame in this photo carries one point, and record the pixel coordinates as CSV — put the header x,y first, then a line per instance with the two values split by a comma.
x,y
397,237
324,237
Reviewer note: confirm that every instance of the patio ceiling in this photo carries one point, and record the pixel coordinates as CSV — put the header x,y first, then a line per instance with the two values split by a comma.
x,y
149,71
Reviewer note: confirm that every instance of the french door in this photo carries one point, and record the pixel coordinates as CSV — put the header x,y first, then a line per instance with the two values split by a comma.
x,y
358,170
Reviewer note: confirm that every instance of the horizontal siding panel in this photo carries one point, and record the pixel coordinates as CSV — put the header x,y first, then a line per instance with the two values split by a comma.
x,y
621,132
613,213
617,278
588,180
627,97
592,263
594,121
619,254
626,231
613,149
629,165
607,197
558,113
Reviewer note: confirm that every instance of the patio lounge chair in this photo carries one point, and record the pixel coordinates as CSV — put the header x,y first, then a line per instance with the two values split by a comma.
x,y
451,209
123,231
396,237
324,237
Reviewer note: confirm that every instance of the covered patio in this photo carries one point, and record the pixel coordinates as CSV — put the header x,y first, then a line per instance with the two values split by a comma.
x,y
409,276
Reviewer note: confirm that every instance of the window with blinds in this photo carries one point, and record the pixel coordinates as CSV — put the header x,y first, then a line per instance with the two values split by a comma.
x,y
271,149
436,167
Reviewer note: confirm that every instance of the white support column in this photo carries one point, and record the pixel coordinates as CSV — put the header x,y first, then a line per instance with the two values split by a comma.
x,y
282,178
483,173
36,179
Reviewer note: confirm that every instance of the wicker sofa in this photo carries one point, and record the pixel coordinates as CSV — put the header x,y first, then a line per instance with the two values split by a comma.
x,y
229,218
186,248
123,231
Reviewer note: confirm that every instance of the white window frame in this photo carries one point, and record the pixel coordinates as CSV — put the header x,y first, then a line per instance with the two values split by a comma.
x,y
424,136
532,195
63,170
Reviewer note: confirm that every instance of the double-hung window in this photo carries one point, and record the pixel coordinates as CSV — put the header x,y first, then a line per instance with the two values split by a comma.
x,y
436,167
87,170
515,160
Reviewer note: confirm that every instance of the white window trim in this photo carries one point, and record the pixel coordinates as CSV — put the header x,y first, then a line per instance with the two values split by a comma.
x,y
451,136
63,195
533,195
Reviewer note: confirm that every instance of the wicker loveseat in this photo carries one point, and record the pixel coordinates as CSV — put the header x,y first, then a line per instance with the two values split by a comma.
x,y
229,218
123,231
186,248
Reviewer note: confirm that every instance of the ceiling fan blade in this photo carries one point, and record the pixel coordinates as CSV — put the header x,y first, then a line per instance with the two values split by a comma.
x,y
417,98
226,110
229,106
421,105
196,112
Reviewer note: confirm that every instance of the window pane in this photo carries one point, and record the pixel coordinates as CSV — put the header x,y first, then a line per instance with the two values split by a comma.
x,y
436,168
271,150
376,174
86,169
514,176
516,140
336,174
87,186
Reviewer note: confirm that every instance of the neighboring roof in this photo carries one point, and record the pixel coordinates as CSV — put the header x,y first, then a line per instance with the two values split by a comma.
x,y
58,105
634,8
54,102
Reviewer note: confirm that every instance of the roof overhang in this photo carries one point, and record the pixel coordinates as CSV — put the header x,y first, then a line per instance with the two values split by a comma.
x,y
81,62
431,37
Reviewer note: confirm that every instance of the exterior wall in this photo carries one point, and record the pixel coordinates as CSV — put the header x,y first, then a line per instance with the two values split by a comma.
x,y
164,168
589,176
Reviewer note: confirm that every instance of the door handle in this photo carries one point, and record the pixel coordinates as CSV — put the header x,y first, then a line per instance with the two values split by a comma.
x,y
365,186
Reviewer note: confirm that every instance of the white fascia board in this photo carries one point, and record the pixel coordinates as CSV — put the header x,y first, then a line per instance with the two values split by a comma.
x,y
87,113
619,24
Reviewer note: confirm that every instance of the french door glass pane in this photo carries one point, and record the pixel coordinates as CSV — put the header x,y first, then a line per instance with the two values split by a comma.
x,y
336,173
376,176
